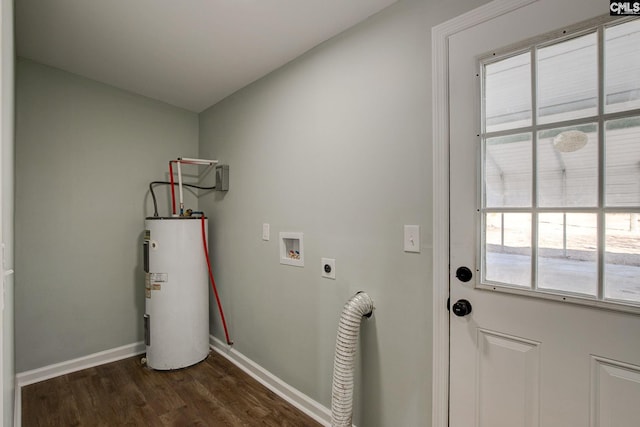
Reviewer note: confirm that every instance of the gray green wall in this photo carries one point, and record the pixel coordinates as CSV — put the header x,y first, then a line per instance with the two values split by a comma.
x,y
336,145
85,153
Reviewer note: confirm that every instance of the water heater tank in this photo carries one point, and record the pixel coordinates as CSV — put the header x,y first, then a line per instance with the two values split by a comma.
x,y
176,293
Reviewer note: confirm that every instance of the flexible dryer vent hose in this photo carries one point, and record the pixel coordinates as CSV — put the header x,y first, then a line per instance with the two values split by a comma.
x,y
343,365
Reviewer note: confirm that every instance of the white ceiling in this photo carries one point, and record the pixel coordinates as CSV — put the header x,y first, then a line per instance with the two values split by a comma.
x,y
188,53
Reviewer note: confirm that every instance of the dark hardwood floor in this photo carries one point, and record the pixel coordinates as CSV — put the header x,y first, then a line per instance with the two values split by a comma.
x,y
212,393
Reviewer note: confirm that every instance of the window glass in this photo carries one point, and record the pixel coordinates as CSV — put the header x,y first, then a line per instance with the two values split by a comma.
x,y
508,93
622,142
567,252
622,66
508,248
622,257
508,171
568,166
560,209
568,79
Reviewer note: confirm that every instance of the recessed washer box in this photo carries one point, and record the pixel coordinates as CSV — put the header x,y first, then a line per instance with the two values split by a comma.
x,y
292,248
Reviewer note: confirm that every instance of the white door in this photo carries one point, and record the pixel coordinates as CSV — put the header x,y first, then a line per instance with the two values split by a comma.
x,y
553,335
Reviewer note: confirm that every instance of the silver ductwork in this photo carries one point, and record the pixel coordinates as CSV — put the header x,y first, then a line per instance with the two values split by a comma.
x,y
343,366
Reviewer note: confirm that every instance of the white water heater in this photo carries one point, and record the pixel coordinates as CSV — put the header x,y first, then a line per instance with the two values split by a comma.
x,y
176,316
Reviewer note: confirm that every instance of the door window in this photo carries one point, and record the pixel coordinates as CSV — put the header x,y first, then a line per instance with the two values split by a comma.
x,y
560,196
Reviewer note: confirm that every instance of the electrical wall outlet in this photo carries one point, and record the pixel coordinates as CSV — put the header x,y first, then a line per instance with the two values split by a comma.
x,y
265,231
328,268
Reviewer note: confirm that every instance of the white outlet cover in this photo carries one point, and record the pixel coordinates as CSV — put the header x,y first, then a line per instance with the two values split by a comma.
x,y
331,263
265,231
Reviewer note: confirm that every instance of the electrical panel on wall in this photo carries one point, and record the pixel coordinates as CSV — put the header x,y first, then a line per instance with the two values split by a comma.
x,y
222,177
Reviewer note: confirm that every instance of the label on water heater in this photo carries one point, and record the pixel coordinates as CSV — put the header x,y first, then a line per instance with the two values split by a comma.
x,y
158,277
154,282
147,234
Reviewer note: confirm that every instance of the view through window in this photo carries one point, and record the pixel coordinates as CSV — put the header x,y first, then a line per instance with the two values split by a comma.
x,y
561,166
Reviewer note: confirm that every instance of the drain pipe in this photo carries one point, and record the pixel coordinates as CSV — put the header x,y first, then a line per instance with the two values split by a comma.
x,y
343,365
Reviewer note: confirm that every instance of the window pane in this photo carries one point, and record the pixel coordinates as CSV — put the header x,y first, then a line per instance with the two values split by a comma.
x,y
508,93
508,248
568,79
568,166
622,66
622,257
567,252
622,139
507,169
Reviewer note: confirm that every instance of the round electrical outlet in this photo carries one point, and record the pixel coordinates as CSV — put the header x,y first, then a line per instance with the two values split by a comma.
x,y
328,266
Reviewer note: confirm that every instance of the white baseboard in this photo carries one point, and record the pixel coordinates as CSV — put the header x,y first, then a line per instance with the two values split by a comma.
x,y
85,362
293,396
58,369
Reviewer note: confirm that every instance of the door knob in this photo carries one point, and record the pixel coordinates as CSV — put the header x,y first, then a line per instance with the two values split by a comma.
x,y
461,308
464,274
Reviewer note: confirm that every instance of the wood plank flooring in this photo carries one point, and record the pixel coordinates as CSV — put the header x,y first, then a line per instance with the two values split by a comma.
x,y
212,393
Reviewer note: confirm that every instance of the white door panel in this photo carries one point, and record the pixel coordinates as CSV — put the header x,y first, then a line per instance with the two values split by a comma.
x,y
516,360
615,392
508,377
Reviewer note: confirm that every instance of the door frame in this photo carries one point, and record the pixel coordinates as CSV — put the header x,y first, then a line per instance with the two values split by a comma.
x,y
440,163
